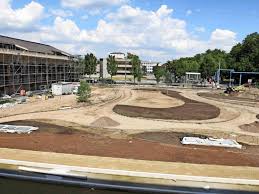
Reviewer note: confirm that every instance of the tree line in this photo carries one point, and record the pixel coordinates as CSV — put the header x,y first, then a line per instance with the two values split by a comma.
x,y
242,57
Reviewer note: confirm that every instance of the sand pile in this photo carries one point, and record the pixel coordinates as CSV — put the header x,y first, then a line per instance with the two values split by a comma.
x,y
104,122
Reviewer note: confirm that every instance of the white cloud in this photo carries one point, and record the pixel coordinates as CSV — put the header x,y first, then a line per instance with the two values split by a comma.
x,y
223,39
155,35
222,35
90,4
66,27
141,31
200,29
61,13
163,11
21,18
188,12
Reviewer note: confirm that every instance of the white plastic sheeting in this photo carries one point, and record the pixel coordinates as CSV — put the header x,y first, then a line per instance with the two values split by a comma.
x,y
211,142
17,129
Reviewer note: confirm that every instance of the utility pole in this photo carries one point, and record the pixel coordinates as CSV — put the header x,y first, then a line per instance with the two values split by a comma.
x,y
230,77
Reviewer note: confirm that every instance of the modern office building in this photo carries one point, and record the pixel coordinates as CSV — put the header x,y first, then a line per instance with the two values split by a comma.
x,y
149,66
33,66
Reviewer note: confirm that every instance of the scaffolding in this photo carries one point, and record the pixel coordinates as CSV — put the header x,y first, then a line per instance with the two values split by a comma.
x,y
34,71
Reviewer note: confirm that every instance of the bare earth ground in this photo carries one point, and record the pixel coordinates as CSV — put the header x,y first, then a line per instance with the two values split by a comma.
x,y
53,138
252,127
40,104
203,111
107,133
152,99
229,97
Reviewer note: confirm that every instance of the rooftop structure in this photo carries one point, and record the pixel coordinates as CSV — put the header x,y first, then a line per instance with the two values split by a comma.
x,y
118,55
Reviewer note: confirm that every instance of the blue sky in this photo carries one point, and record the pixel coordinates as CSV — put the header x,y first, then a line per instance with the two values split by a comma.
x,y
155,30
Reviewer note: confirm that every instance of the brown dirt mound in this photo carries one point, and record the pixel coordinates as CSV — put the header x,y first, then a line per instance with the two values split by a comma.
x,y
104,122
252,127
191,110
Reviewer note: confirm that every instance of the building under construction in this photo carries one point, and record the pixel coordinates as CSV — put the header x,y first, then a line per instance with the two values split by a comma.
x,y
33,66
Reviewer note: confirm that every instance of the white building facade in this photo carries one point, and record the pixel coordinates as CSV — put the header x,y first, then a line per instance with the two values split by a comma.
x,y
149,65
118,55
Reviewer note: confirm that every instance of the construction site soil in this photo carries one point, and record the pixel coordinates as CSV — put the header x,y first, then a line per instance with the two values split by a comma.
x,y
203,111
159,146
252,127
226,97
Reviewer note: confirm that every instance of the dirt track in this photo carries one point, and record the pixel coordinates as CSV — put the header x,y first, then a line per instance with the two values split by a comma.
x,y
203,111
220,96
53,138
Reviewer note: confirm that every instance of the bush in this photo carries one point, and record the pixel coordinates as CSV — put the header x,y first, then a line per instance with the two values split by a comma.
x,y
84,92
4,101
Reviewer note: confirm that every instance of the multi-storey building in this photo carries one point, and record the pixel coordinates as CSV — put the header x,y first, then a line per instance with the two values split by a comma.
x,y
124,65
33,66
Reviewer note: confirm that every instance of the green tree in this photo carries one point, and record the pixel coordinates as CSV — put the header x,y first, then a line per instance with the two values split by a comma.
x,y
159,72
245,56
90,63
84,92
208,66
112,66
242,57
130,55
144,70
170,68
210,62
136,68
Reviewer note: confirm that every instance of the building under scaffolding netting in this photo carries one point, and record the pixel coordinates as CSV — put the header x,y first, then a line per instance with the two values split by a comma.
x,y
31,66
